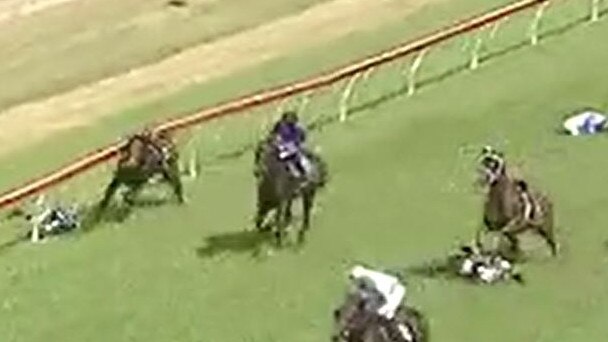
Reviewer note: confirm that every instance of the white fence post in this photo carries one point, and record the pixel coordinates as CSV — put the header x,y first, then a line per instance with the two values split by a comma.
x,y
346,96
192,165
367,73
475,52
535,26
595,10
411,76
304,102
495,28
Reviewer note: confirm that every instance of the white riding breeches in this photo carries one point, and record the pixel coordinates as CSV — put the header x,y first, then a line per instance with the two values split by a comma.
x,y
393,300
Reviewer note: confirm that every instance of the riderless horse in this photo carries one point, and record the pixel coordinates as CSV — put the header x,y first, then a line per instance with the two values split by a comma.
x,y
510,207
144,156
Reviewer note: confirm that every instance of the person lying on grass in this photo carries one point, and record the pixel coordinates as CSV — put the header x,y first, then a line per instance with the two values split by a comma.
x,y
585,122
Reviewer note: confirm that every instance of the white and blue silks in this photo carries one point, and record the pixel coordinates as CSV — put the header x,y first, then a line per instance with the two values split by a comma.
x,y
585,123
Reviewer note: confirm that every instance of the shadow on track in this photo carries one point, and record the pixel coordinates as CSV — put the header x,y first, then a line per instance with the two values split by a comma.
x,y
240,242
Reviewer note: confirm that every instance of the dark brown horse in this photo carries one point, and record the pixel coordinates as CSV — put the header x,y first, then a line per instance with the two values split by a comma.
x,y
144,156
354,322
277,188
505,205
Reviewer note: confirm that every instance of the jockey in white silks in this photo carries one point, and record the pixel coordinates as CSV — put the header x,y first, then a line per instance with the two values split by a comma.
x,y
488,268
387,285
588,122
392,292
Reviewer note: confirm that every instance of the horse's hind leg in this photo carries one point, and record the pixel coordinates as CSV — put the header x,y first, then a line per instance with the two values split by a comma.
x,y
514,241
546,232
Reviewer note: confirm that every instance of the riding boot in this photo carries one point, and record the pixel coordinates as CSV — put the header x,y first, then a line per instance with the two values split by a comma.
x,y
301,169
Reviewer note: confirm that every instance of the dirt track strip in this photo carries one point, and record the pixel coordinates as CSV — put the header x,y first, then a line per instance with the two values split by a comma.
x,y
14,9
87,104
236,106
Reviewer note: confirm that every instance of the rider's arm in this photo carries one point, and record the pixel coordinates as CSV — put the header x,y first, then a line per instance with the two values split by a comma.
x,y
302,133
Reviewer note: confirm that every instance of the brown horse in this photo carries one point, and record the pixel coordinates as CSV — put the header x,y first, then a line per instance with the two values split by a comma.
x,y
144,156
506,207
354,322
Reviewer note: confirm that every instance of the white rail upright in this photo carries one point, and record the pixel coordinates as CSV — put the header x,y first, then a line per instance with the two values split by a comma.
x,y
595,10
474,64
411,76
346,96
535,26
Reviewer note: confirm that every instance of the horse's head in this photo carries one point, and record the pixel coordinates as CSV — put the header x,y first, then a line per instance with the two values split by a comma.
x,y
491,168
130,153
351,319
265,156
164,141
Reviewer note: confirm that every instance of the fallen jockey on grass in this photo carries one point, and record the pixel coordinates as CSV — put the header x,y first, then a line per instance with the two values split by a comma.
x,y
52,220
384,294
584,123
486,267
289,137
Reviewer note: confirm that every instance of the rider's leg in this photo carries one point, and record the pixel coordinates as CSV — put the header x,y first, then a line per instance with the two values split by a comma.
x,y
393,300
528,206
300,164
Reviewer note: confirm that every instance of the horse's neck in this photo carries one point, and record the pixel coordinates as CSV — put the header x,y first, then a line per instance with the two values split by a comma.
x,y
501,195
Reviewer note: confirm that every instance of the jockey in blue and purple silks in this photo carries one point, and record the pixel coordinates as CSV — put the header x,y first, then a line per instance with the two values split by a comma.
x,y
290,137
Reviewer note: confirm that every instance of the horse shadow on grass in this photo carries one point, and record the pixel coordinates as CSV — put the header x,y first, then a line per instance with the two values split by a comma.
x,y
93,216
433,269
251,242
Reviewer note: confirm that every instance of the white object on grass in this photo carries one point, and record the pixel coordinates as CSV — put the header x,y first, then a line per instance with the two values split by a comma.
x,y
587,122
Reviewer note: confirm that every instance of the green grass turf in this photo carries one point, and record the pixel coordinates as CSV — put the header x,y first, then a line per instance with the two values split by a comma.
x,y
400,194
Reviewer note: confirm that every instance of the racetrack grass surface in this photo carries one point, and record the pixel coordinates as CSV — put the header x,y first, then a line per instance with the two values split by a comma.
x,y
50,52
400,194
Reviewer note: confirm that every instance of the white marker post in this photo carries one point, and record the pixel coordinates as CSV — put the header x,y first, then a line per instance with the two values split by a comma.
x,y
475,52
346,96
411,76
535,26
595,10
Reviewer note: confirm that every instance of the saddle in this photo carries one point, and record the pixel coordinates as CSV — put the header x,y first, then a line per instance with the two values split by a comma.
x,y
530,205
297,161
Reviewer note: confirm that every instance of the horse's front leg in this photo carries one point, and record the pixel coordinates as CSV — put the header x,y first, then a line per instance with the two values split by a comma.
x,y
515,227
307,204
281,221
482,228
263,208
110,191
